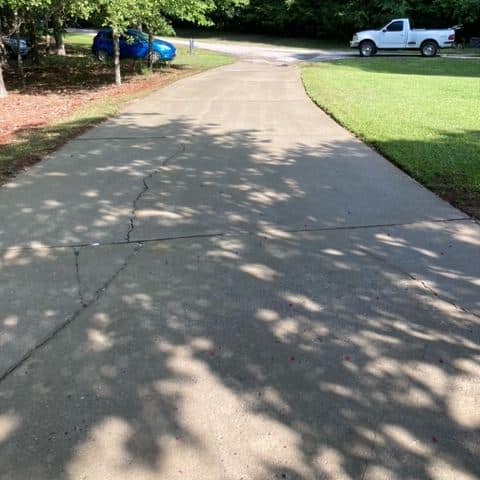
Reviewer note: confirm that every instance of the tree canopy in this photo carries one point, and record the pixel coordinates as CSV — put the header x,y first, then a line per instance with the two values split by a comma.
x,y
119,15
339,17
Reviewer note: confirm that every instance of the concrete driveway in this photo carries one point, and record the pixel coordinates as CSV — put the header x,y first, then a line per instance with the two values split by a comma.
x,y
222,283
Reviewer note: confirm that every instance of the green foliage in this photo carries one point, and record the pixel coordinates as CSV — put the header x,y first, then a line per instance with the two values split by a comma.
x,y
119,15
467,11
341,17
227,9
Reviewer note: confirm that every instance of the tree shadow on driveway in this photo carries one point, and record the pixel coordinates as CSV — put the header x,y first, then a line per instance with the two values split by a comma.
x,y
263,329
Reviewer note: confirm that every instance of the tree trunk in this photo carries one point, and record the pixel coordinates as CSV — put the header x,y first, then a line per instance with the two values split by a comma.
x,y
19,54
59,38
116,59
32,38
150,50
3,90
3,53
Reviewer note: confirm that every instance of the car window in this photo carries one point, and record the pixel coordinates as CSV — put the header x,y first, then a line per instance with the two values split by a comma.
x,y
395,27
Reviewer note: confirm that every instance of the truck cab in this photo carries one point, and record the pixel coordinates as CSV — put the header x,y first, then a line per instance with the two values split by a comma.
x,y
393,35
398,35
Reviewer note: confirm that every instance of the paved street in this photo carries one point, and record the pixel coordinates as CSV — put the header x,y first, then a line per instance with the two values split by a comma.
x,y
254,51
222,283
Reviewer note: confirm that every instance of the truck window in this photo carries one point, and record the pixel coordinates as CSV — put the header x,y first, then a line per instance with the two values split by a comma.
x,y
395,27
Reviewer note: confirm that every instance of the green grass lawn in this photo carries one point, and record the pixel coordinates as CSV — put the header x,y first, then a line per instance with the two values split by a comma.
x,y
78,39
200,59
467,51
423,114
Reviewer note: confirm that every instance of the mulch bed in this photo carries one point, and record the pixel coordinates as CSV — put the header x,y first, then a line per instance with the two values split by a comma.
x,y
31,121
57,93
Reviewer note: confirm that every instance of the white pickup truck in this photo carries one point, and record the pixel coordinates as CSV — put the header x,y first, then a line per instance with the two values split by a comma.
x,y
398,35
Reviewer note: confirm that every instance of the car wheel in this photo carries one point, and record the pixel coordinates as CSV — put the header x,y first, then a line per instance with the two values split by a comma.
x,y
367,48
102,55
429,49
10,53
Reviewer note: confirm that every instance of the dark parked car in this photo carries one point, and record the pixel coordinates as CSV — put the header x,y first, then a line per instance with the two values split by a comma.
x,y
11,46
133,44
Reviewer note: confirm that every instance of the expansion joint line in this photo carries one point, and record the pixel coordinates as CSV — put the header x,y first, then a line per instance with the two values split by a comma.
x,y
86,244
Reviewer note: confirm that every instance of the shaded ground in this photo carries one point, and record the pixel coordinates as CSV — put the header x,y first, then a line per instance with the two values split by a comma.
x,y
62,86
65,95
222,283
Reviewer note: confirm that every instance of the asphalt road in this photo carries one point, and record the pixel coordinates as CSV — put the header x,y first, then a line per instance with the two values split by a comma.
x,y
252,51
276,54
222,283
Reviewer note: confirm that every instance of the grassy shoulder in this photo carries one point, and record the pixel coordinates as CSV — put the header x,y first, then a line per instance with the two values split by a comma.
x,y
80,90
422,114
463,52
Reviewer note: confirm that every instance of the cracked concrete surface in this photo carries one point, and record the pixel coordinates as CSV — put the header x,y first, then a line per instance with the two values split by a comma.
x,y
222,283
145,188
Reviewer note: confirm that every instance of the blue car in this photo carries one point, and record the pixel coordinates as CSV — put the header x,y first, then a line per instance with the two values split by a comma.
x,y
133,44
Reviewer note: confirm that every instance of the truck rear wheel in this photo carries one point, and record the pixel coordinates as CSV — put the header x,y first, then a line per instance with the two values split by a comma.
x,y
367,48
429,48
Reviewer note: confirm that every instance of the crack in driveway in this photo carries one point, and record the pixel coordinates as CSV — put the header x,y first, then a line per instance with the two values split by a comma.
x,y
76,252
145,188
84,305
140,243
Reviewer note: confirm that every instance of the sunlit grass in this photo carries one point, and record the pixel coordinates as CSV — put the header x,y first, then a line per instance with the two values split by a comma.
x,y
79,39
201,59
423,114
